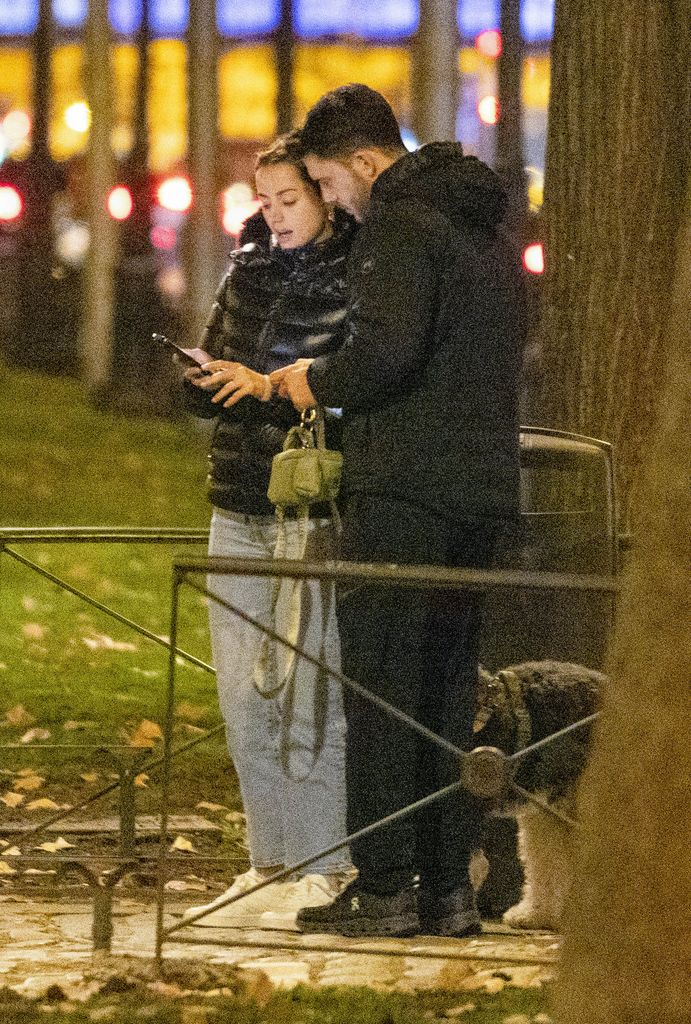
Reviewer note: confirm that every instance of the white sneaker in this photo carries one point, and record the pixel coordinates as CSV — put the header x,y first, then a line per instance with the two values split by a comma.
x,y
307,891
245,912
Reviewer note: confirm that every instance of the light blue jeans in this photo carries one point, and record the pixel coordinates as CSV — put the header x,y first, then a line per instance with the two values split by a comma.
x,y
288,750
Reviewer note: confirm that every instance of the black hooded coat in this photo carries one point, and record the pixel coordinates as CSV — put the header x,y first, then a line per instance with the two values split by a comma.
x,y
428,376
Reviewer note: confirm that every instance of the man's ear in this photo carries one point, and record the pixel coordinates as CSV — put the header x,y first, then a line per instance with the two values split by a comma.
x,y
365,164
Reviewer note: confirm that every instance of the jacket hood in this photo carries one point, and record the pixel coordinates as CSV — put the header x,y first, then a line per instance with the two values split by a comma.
x,y
461,187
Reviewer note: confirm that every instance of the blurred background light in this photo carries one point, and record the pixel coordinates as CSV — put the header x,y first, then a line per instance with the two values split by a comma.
x,y
175,194
534,258
488,109
120,202
78,117
11,203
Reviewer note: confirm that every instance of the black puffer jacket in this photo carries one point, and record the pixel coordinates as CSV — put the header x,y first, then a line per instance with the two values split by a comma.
x,y
428,377
272,307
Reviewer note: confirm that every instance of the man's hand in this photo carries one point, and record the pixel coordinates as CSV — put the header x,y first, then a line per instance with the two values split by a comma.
x,y
291,382
234,380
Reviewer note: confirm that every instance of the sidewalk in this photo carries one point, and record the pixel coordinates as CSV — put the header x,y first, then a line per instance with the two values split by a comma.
x,y
44,942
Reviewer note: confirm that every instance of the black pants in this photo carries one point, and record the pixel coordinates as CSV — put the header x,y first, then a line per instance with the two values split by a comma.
x,y
418,650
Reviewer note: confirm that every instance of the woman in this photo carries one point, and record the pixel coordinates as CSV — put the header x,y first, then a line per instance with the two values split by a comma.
x,y
276,303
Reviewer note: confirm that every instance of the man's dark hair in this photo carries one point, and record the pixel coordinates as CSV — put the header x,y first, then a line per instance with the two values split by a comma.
x,y
349,118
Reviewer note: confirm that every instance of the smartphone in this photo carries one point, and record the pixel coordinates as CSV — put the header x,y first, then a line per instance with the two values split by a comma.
x,y
190,356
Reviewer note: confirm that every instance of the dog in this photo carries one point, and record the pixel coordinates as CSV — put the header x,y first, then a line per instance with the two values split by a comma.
x,y
516,707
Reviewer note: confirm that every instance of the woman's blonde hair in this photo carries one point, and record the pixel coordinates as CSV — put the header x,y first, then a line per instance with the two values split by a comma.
x,y
286,149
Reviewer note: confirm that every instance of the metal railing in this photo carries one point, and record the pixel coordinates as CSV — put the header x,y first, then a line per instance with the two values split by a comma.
x,y
486,772
102,871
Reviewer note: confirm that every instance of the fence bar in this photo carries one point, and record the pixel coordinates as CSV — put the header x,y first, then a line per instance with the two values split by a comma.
x,y
165,783
100,535
433,577
555,736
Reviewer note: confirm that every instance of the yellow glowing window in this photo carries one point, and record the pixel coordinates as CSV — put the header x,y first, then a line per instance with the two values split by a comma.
x,y
320,68
247,93
535,82
15,79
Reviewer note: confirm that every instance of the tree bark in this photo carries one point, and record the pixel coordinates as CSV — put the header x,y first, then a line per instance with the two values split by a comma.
x,y
627,956
617,159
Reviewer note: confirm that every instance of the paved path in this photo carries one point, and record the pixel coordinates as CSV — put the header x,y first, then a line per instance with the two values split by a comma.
x,y
49,941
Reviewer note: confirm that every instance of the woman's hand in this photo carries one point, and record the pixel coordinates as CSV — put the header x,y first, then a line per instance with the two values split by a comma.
x,y
234,381
291,382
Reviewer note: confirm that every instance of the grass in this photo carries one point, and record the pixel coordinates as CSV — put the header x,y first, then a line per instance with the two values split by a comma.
x,y
298,1006
66,464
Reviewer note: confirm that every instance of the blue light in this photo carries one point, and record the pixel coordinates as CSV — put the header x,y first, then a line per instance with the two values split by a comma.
x,y
537,20
537,16
125,16
386,19
70,13
18,17
247,17
475,16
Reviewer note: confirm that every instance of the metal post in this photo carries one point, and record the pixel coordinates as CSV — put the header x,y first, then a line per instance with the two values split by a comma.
x,y
284,44
165,779
435,71
203,251
509,152
96,341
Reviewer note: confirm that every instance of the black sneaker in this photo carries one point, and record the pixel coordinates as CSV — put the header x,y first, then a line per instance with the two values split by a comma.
x,y
455,914
356,912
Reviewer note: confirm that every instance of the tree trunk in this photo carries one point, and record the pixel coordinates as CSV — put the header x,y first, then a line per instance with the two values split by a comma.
x,y
627,956
617,157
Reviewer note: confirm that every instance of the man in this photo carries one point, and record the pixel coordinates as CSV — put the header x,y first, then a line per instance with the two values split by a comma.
x,y
427,381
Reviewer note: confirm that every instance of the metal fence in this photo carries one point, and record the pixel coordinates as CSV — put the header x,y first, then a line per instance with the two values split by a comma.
x,y
485,772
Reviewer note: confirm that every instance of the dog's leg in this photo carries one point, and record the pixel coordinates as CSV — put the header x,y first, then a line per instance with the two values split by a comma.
x,y
544,849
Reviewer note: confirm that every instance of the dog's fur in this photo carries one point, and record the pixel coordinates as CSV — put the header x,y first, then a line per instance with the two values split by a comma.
x,y
516,707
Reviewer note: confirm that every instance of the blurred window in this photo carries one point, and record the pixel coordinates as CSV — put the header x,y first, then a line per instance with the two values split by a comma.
x,y
384,68
18,17
247,92
247,17
387,19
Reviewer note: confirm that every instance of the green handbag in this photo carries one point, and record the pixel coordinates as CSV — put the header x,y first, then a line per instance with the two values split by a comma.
x,y
306,471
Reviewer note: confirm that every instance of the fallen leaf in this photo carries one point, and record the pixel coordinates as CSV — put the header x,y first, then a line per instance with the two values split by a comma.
x,y
458,1011
494,985
72,726
101,642
181,843
146,734
33,631
178,885
90,776
235,818
193,730
517,1018
12,799
6,869
3,844
12,851
18,715
542,1018
141,780
23,772
29,783
204,806
44,804
58,844
29,604
164,988
39,871
191,712
34,735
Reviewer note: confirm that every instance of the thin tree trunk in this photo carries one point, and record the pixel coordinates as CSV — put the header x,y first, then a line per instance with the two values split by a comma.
x,y
615,177
627,956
